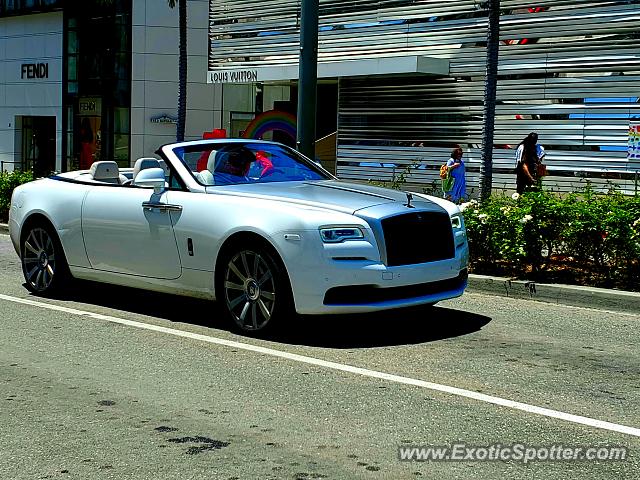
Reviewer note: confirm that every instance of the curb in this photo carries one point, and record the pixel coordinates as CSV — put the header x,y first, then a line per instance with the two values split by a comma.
x,y
572,295
4,228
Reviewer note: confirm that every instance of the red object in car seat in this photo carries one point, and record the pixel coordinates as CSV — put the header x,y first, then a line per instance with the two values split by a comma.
x,y
264,162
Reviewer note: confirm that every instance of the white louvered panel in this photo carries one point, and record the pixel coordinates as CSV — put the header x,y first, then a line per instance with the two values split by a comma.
x,y
580,50
242,29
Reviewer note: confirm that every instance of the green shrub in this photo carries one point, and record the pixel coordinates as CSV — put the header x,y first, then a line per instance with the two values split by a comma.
x,y
595,236
603,229
9,181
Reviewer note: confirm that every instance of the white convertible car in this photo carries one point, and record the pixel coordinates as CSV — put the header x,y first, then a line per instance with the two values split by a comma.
x,y
254,224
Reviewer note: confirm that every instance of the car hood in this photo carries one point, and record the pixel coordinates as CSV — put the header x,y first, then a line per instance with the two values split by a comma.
x,y
329,194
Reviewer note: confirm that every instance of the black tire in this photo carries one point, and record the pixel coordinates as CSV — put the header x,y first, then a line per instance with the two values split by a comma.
x,y
254,290
44,264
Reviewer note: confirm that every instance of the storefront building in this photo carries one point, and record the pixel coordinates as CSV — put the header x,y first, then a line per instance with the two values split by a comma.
x,y
401,83
405,80
31,63
97,80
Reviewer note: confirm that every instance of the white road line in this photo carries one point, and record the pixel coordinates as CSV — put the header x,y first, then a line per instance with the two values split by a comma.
x,y
545,412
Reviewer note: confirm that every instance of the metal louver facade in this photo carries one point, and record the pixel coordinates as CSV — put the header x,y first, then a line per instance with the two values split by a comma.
x,y
569,70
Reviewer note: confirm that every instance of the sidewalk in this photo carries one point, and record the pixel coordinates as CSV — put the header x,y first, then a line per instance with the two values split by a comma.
x,y
573,295
599,298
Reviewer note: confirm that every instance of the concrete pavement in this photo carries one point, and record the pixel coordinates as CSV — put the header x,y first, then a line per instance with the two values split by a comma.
x,y
86,398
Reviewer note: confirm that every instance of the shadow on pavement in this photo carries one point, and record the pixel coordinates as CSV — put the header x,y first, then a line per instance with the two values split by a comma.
x,y
174,308
381,329
407,326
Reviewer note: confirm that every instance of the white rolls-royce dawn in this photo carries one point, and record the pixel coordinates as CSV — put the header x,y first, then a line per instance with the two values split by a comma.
x,y
253,224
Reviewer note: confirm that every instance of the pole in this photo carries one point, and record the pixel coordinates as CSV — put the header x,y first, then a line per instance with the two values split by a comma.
x,y
182,70
308,83
491,82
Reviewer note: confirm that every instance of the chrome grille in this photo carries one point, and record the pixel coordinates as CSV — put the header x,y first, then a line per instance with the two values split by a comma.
x,y
418,237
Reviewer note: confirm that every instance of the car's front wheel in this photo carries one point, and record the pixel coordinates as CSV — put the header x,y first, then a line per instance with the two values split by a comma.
x,y
255,289
43,262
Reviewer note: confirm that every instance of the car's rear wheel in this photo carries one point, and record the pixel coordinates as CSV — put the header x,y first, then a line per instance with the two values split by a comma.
x,y
44,265
255,289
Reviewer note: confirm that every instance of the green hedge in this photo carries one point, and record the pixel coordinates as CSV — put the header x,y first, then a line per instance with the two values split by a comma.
x,y
584,237
9,181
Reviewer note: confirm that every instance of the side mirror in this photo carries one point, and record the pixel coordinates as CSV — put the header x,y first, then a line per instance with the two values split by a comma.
x,y
151,178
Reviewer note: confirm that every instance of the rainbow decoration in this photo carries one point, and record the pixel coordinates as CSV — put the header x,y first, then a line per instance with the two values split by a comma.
x,y
271,121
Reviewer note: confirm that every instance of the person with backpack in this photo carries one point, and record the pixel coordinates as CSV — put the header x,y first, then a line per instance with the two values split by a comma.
x,y
455,165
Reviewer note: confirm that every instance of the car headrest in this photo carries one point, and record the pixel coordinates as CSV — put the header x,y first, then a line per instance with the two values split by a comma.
x,y
163,165
144,163
105,171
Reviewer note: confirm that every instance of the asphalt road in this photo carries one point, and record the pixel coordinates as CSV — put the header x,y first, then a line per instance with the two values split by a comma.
x,y
85,397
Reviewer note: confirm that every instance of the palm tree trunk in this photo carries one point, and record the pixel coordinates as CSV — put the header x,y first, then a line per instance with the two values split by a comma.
x,y
182,71
493,46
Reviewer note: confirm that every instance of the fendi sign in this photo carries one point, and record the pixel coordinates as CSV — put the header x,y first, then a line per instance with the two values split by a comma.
x,y
35,70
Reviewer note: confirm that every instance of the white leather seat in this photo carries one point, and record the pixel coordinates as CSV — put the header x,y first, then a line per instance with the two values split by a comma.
x,y
144,163
212,163
107,172
205,177
163,165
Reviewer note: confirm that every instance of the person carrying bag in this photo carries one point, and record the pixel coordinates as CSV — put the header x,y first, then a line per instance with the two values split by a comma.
x,y
529,165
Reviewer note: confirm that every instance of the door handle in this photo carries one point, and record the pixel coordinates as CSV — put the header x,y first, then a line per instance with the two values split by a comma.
x,y
163,207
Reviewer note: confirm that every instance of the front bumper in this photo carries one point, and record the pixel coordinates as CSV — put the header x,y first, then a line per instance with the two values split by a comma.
x,y
357,286
14,233
364,294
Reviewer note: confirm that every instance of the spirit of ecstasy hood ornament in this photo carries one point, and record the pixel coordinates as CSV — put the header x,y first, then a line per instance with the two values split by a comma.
x,y
409,199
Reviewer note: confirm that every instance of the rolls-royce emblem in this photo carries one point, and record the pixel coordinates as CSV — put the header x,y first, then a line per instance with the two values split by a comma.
x,y
409,199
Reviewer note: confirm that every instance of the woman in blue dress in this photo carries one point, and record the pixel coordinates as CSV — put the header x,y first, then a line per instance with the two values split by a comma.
x,y
456,166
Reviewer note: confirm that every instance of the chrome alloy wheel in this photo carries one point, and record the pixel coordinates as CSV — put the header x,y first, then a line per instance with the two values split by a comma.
x,y
39,260
250,290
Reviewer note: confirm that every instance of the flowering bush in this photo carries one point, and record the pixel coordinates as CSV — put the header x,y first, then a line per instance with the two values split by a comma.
x,y
587,237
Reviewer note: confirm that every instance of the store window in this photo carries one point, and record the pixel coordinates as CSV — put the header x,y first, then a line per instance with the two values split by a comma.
x,y
38,134
98,83
21,7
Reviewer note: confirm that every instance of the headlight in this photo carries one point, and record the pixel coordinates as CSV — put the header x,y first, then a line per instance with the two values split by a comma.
x,y
457,223
340,234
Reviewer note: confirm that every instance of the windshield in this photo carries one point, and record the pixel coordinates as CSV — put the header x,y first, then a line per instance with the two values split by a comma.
x,y
234,163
